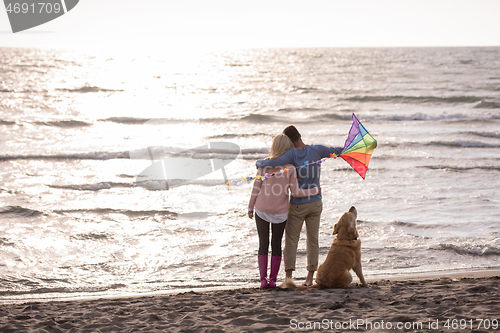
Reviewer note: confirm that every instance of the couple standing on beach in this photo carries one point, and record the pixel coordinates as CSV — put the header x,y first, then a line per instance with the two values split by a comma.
x,y
292,161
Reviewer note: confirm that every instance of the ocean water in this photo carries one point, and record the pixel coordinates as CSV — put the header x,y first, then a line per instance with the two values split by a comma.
x,y
75,219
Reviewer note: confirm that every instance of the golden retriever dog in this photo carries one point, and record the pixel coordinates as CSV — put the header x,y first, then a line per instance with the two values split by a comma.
x,y
344,255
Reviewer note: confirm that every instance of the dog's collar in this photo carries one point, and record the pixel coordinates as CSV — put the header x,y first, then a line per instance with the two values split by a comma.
x,y
355,238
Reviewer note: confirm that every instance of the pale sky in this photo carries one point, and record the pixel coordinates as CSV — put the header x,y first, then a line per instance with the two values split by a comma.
x,y
200,24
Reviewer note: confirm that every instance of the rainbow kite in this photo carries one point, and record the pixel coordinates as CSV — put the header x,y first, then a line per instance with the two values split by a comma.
x,y
358,147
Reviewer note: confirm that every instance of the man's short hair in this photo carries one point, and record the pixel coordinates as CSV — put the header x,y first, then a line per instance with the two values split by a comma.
x,y
292,133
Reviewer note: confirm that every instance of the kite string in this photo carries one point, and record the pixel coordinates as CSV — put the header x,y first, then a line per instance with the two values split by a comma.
x,y
269,175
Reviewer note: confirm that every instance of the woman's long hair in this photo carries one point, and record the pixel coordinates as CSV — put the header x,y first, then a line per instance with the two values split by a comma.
x,y
281,143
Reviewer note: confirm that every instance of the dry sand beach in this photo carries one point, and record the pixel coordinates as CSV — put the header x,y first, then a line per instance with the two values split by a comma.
x,y
446,303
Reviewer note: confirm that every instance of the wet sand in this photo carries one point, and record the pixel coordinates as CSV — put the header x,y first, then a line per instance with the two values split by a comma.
x,y
448,303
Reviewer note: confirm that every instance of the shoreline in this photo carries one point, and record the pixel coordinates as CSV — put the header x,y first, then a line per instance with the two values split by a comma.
x,y
403,277
431,300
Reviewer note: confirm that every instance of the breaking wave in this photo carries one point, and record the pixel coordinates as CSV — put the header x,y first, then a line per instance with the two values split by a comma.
x,y
88,89
93,187
485,134
63,123
50,290
414,99
69,156
447,144
330,117
487,105
126,212
462,144
18,211
127,120
259,118
471,249
236,135
297,109
456,117
460,169
417,225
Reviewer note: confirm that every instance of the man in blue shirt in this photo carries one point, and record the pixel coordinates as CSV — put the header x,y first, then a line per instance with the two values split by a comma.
x,y
306,209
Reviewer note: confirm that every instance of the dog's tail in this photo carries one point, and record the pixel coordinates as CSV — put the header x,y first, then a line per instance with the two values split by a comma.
x,y
289,284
